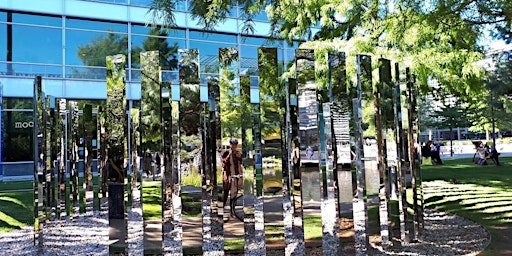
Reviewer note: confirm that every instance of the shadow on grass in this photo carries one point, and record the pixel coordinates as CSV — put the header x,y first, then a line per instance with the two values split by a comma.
x,y
480,193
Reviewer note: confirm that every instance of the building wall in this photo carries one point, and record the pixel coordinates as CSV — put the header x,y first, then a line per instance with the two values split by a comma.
x,y
66,42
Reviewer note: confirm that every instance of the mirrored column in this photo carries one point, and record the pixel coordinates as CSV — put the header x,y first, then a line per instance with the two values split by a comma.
x,y
90,128
48,199
214,241
73,141
151,145
273,107
401,164
292,201
54,139
248,161
309,135
385,107
414,154
191,151
363,65
38,110
231,150
63,180
115,125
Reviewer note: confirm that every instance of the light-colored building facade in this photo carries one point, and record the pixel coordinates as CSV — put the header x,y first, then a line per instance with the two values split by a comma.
x,y
66,41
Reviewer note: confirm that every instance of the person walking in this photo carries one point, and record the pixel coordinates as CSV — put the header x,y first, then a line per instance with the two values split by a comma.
x,y
231,165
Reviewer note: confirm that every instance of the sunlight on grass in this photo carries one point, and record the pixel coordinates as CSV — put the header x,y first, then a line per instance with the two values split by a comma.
x,y
479,193
312,226
12,200
192,179
152,200
11,221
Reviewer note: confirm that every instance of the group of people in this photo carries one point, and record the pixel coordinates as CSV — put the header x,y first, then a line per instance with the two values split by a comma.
x,y
484,152
432,150
151,165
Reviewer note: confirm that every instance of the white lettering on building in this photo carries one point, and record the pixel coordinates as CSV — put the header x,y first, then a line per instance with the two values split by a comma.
x,y
23,125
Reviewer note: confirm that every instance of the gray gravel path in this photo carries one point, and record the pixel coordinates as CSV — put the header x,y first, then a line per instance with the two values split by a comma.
x,y
444,234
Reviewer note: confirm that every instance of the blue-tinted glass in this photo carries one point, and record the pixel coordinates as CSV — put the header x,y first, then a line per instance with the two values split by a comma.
x,y
91,48
3,16
3,42
233,12
111,1
213,37
36,19
181,5
24,69
209,55
175,92
141,2
255,95
94,73
249,51
97,25
146,30
261,15
36,44
258,41
138,46
203,93
249,60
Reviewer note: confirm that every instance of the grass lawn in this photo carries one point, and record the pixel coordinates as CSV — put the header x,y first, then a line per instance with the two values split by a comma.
x,y
480,193
16,210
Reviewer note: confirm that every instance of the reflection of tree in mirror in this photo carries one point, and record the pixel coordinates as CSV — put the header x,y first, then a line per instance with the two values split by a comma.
x,y
190,109
157,42
94,53
150,97
189,66
272,89
227,56
229,111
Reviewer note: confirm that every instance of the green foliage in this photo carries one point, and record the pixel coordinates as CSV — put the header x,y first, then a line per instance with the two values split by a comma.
x,y
94,53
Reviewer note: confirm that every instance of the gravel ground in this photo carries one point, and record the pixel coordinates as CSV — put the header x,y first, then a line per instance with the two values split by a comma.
x,y
444,234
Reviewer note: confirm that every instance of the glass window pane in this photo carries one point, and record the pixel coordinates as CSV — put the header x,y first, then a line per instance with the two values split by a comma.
x,y
36,19
3,16
213,37
3,42
91,48
168,48
97,25
36,44
18,136
258,41
146,30
209,54
146,3
18,103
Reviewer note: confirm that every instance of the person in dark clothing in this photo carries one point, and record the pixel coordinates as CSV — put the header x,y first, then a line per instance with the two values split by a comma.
x,y
231,165
158,163
435,153
493,154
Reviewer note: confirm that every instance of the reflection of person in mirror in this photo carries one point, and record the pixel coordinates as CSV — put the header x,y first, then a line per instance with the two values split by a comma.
x,y
296,157
309,152
231,165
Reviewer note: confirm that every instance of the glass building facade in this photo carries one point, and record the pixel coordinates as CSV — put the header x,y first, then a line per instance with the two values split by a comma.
x,y
66,42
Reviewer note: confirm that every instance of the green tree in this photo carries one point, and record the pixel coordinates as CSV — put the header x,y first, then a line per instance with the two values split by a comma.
x,y
451,115
438,41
